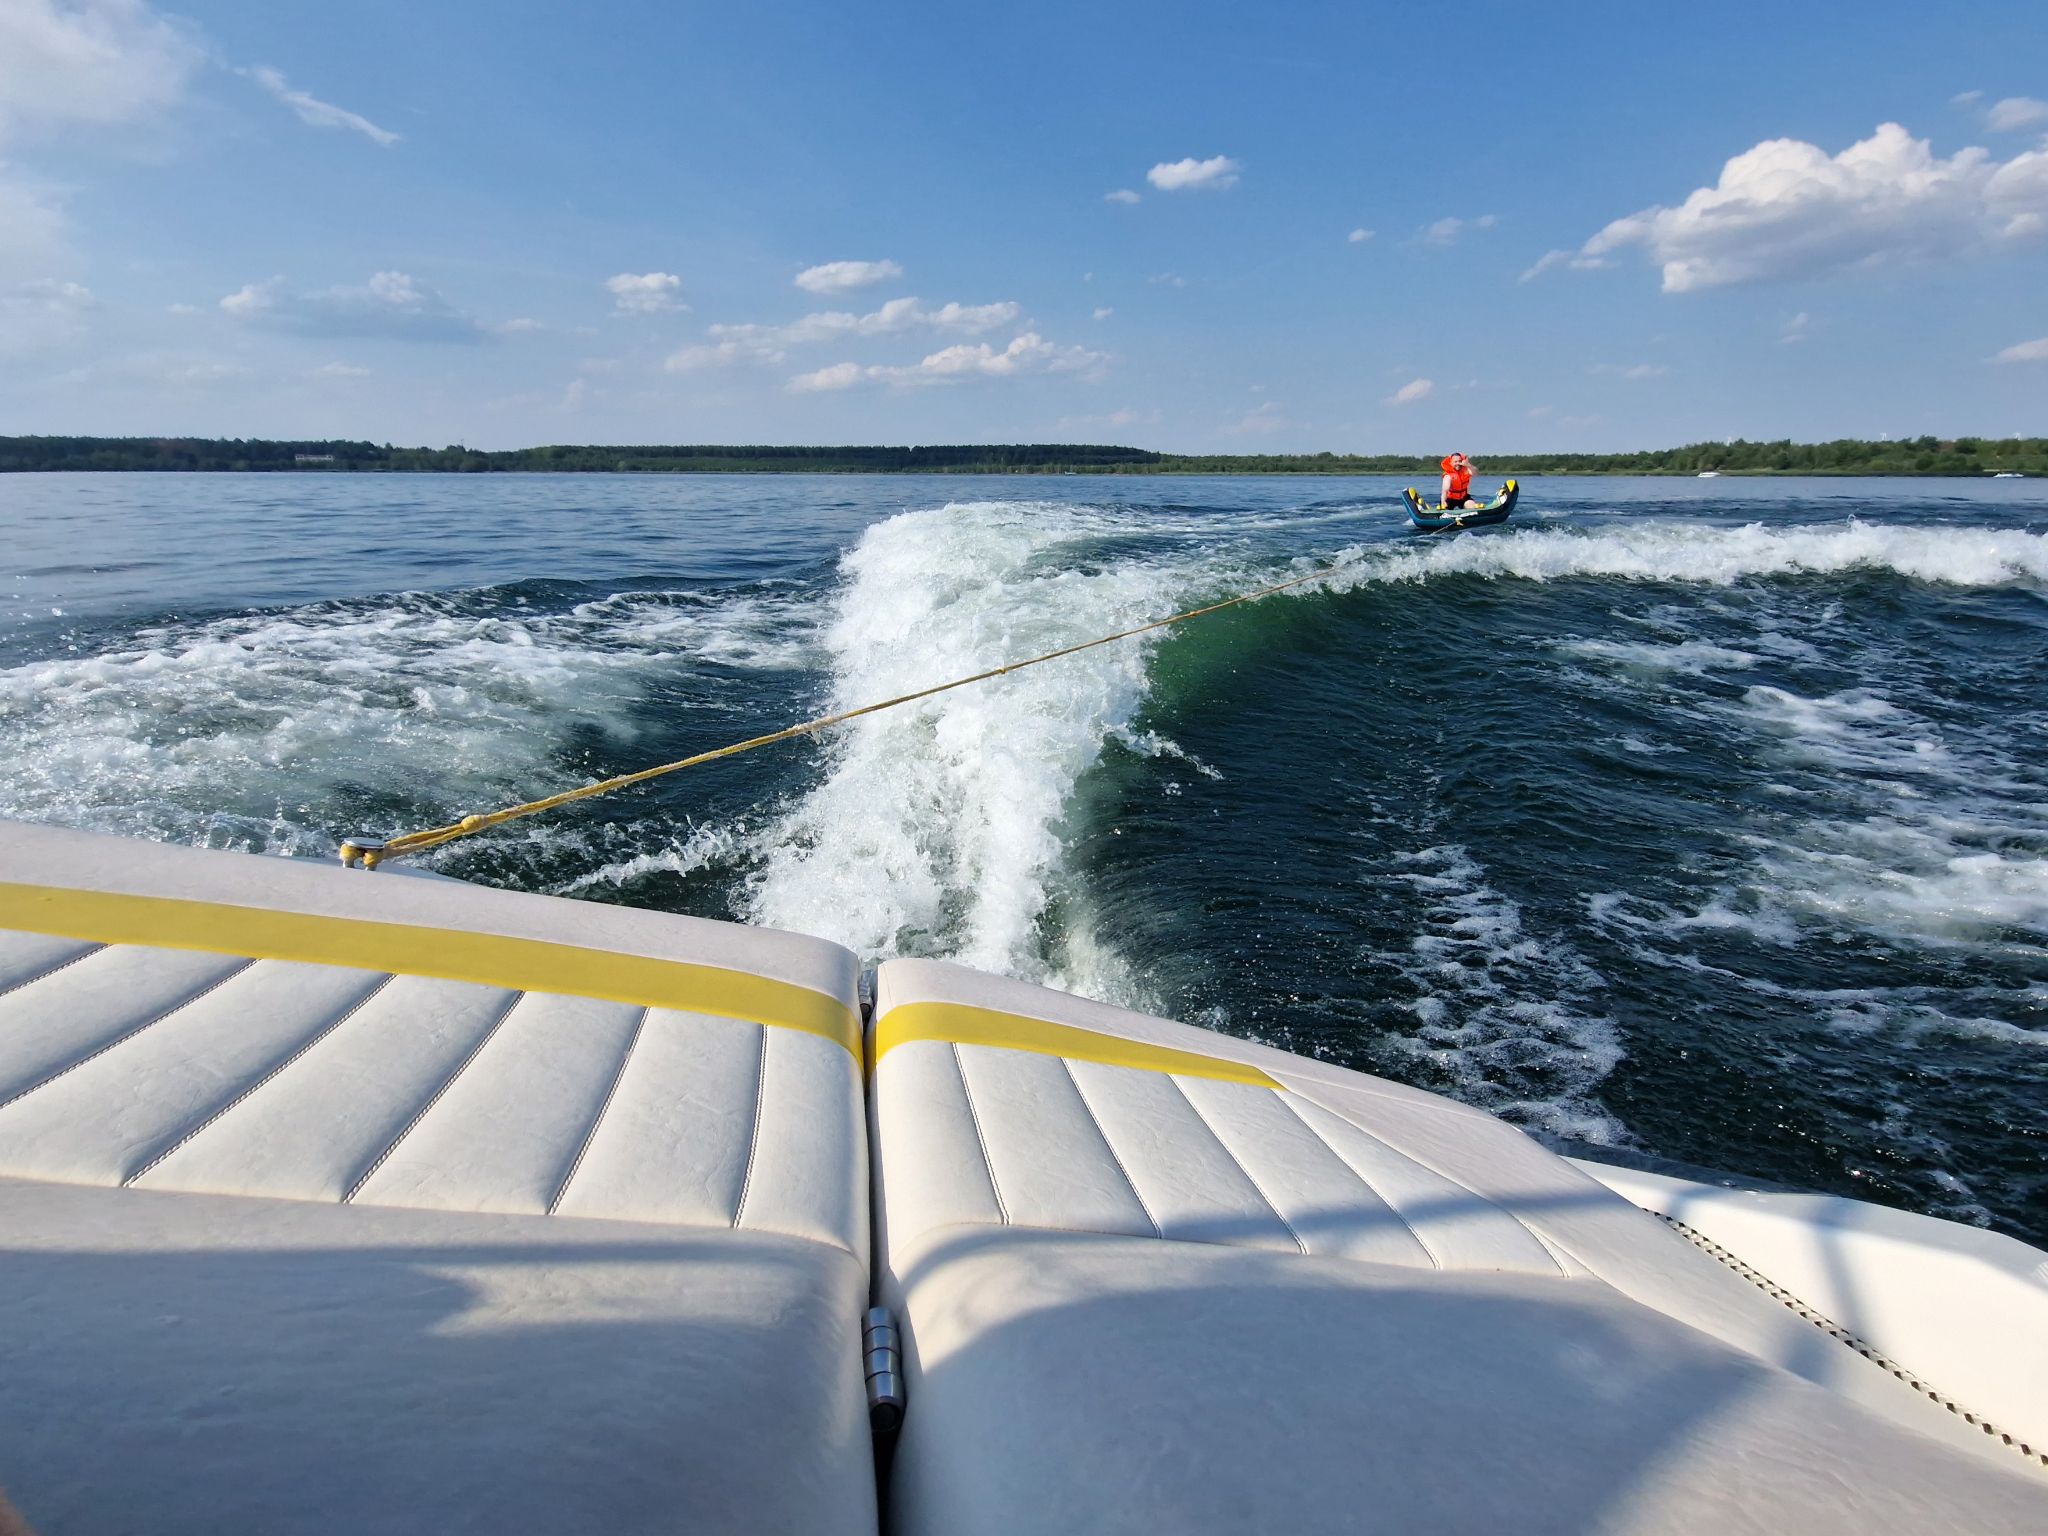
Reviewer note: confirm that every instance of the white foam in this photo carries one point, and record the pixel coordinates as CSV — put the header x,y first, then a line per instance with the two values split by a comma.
x,y
249,731
1695,658
1500,1012
1691,552
937,828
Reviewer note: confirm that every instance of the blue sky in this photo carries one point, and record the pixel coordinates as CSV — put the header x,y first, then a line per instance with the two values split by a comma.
x,y
1351,227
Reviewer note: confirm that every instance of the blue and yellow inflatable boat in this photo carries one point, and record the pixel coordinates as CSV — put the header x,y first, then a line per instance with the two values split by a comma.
x,y
1484,515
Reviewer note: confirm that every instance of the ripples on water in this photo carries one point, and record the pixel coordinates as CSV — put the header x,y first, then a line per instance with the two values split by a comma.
x,y
1710,821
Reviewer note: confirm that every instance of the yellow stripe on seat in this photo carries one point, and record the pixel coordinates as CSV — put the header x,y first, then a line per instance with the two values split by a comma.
x,y
448,954
959,1024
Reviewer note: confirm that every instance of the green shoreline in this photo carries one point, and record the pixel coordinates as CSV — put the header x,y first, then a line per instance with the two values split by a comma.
x,y
1968,457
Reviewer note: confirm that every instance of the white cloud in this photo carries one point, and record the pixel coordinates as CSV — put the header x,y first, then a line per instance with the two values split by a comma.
x,y
31,226
1786,209
519,327
1577,260
645,293
340,371
846,276
1122,195
2016,113
1965,98
1029,353
1632,370
42,314
391,305
1211,175
1447,231
1261,422
895,318
2025,352
97,62
721,354
51,297
181,309
1358,237
253,299
837,376
1795,329
1412,391
316,113
1167,280
1104,313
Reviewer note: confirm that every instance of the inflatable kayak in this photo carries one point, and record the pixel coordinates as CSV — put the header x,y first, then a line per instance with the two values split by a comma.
x,y
1482,515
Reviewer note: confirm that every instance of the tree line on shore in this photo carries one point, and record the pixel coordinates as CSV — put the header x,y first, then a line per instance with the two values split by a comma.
x,y
1846,456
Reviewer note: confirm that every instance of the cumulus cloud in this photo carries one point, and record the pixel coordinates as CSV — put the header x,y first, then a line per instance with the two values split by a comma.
x,y
1211,175
846,276
1448,231
2025,352
1412,391
1122,195
97,62
316,113
1358,237
894,318
835,376
2015,114
1028,353
722,354
645,293
1104,313
390,306
1787,209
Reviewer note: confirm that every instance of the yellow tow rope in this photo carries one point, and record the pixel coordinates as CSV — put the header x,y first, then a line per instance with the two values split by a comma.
x,y
369,853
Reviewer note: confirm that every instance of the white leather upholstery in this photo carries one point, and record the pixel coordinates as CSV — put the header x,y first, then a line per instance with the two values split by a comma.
x,y
194,1365
176,1069
1165,1301
1078,1384
523,1261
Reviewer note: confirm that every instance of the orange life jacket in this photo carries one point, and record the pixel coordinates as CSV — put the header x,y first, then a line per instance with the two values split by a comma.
x,y
1459,479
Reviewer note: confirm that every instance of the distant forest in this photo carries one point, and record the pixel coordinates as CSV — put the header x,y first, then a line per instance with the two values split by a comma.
x,y
1847,456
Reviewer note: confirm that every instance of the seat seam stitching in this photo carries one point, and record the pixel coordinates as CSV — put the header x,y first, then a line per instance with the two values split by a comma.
x,y
988,1163
87,953
754,1139
122,1039
1096,1121
439,1093
1371,1188
590,1136
1250,1178
228,1108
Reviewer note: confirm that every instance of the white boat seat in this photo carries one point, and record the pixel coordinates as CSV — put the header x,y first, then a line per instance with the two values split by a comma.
x,y
1150,1278
561,1120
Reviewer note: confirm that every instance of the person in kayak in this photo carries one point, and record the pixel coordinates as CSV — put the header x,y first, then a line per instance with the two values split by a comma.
x,y
1457,482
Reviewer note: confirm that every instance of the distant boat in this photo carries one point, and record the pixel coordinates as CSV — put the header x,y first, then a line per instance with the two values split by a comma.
x,y
1708,474
2008,474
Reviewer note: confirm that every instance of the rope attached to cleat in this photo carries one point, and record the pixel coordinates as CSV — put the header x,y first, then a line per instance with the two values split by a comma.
x,y
368,853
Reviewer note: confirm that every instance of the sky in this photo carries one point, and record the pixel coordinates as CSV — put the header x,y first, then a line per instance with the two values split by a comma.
x,y
1193,227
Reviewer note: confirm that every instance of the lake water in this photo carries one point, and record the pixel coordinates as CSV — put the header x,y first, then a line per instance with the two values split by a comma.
x,y
1707,818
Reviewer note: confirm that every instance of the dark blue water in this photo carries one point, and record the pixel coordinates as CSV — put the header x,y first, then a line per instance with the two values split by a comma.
x,y
1707,818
